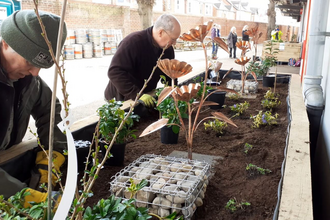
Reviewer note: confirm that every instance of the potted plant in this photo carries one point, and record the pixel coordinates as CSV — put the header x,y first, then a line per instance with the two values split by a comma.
x,y
261,68
111,115
169,134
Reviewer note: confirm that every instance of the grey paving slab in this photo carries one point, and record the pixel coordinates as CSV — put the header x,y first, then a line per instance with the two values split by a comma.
x,y
195,156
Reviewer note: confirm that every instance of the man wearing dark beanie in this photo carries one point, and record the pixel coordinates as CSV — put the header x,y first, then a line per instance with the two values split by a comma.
x,y
23,52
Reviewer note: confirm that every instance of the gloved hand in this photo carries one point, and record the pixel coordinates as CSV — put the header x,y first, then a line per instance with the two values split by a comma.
x,y
42,165
148,100
38,197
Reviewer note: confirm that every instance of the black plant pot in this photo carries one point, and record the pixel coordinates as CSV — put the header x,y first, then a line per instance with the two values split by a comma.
x,y
167,136
118,154
283,78
218,97
82,148
268,81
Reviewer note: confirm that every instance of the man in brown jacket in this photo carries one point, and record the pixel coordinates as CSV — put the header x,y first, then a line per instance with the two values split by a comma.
x,y
135,58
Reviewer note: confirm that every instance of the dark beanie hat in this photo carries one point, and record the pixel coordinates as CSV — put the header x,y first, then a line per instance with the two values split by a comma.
x,y
22,32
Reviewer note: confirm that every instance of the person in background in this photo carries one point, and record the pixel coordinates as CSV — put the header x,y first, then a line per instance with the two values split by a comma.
x,y
276,34
215,32
23,52
135,58
245,37
232,39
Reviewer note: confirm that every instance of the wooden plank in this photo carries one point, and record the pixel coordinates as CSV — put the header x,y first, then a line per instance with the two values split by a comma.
x,y
291,50
296,199
6,155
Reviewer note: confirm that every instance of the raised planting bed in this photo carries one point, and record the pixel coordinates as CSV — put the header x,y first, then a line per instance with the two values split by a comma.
x,y
231,180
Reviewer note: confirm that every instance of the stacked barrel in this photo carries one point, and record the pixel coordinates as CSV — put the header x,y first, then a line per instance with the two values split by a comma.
x,y
88,43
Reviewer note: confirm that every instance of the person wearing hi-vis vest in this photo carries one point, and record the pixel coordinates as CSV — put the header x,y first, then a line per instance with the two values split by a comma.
x,y
135,58
23,52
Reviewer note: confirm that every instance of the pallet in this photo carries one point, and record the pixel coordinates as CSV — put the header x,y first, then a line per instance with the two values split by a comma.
x,y
290,50
184,45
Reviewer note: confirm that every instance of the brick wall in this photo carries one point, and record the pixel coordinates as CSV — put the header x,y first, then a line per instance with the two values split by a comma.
x,y
90,15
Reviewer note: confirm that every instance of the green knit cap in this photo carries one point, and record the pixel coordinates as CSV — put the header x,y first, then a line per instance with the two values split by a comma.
x,y
22,32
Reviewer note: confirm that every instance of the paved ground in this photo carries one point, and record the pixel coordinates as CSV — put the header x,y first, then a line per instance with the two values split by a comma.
x,y
87,78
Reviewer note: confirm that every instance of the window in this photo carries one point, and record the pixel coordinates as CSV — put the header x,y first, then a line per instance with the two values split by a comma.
x,y
208,9
189,7
168,5
158,5
178,5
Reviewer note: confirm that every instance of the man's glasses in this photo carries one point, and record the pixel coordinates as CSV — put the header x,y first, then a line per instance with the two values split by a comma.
x,y
173,40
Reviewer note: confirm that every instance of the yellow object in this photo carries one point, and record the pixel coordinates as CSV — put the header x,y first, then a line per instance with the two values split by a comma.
x,y
280,33
38,197
42,162
35,196
148,100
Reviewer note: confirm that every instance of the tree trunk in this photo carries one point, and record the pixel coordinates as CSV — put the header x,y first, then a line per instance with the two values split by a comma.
x,y
145,12
271,18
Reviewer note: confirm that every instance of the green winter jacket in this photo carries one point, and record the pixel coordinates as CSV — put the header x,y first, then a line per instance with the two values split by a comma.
x,y
27,96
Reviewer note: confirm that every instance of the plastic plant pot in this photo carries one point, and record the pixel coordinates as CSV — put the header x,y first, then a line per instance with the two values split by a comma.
x,y
268,81
218,97
167,136
118,154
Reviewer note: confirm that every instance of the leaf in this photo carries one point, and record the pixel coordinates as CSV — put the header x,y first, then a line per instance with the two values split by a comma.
x,y
253,74
142,184
36,212
166,92
175,129
154,126
227,73
224,118
221,43
131,211
208,103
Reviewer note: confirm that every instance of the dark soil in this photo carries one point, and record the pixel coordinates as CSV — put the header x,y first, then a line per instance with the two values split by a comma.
x,y
230,180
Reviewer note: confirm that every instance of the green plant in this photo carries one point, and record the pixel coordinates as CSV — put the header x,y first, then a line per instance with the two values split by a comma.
x,y
270,101
264,118
232,205
13,208
247,147
257,67
240,108
113,208
261,68
270,95
217,126
270,104
201,89
252,167
233,96
168,110
111,115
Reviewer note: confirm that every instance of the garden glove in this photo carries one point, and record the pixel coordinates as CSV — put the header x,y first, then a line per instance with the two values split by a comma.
x,y
38,197
42,165
148,100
